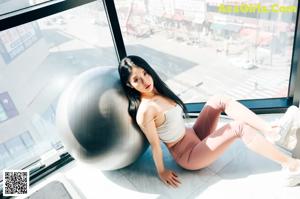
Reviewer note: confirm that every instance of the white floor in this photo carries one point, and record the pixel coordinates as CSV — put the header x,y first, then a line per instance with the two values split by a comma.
x,y
238,173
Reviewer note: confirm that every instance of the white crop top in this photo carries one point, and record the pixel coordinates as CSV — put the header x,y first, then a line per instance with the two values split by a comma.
x,y
173,127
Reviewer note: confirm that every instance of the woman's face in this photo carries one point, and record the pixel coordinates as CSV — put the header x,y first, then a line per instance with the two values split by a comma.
x,y
141,80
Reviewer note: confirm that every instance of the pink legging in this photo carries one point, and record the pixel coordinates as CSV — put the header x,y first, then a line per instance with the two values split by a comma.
x,y
203,143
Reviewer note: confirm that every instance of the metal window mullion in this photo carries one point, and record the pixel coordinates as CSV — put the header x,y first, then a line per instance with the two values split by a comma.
x,y
294,88
115,29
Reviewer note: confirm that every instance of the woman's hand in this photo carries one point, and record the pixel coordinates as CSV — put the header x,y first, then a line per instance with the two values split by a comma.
x,y
169,178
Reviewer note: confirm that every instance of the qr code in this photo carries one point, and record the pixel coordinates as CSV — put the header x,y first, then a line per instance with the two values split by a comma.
x,y
15,182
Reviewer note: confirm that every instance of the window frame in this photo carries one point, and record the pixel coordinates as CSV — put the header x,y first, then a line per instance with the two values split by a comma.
x,y
29,14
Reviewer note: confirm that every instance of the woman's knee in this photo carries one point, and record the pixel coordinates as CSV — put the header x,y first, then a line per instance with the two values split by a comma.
x,y
219,101
243,130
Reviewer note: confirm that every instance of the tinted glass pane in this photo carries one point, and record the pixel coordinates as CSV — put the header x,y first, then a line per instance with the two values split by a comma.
x,y
37,61
201,51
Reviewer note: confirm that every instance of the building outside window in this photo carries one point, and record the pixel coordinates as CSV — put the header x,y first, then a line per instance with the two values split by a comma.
x,y
201,51
37,61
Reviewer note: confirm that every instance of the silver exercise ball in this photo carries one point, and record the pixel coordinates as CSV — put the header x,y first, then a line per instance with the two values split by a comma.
x,y
94,124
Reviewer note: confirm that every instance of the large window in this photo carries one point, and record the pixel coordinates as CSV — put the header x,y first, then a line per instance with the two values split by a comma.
x,y
195,48
37,61
200,51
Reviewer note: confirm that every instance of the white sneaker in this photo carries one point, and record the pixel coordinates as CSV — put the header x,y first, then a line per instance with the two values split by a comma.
x,y
288,125
290,179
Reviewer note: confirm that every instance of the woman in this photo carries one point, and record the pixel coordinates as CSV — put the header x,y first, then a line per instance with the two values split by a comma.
x,y
158,112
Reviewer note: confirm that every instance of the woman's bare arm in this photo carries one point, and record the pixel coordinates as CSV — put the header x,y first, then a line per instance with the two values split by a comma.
x,y
146,123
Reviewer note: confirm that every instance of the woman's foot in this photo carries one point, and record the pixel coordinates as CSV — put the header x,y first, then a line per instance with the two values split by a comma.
x,y
291,173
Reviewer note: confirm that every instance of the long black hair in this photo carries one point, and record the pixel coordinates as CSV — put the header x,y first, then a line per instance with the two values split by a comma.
x,y
125,69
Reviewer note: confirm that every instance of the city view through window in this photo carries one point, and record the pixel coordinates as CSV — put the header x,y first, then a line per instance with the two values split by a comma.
x,y
37,61
201,50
